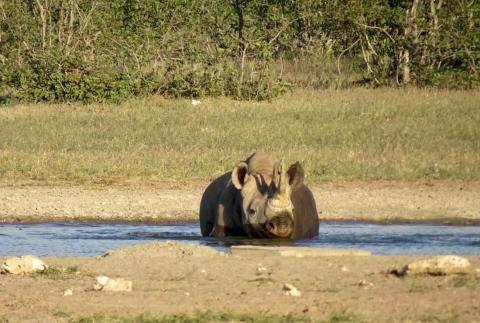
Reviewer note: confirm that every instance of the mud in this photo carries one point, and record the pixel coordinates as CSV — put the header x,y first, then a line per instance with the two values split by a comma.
x,y
172,278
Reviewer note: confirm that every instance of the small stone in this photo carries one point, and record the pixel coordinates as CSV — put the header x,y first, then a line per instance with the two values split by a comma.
x,y
23,265
97,287
187,294
364,283
68,292
291,290
195,102
261,269
344,269
203,271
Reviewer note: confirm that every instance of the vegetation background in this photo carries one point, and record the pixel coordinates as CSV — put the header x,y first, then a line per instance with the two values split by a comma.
x,y
132,59
355,134
98,50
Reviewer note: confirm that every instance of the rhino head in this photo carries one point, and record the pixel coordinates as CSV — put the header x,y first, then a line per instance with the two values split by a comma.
x,y
266,206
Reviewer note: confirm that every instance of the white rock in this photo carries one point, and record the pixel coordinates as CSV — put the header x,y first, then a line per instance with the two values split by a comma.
x,y
118,285
344,269
291,290
23,265
261,269
68,292
441,265
107,284
37,264
195,102
102,280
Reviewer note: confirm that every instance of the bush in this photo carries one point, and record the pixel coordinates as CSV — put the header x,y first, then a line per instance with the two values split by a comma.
x,y
97,50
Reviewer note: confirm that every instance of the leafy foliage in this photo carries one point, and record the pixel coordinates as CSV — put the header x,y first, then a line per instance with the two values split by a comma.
x,y
97,50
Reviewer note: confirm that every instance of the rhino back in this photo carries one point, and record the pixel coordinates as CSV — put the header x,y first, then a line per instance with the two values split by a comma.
x,y
305,213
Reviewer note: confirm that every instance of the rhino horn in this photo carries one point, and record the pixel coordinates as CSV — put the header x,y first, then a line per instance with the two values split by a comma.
x,y
279,178
280,198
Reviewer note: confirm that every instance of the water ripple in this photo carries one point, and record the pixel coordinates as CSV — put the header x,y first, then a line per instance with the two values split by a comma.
x,y
65,239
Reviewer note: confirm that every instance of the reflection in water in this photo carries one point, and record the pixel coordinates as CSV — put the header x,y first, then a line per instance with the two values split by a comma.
x,y
95,239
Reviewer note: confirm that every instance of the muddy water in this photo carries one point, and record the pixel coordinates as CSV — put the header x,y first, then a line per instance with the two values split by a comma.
x,y
58,239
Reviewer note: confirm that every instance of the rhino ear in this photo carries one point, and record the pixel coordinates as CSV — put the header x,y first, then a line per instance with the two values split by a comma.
x,y
295,175
239,175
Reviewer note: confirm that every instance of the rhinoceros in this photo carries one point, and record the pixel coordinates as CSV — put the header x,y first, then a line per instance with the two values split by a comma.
x,y
259,199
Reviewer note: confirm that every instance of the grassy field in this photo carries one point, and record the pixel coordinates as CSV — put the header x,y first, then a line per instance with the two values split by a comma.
x,y
356,134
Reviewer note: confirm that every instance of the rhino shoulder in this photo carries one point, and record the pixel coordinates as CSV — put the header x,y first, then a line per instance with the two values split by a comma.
x,y
210,202
305,213
217,208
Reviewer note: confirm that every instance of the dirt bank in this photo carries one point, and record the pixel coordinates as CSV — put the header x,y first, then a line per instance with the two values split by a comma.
x,y
170,278
453,202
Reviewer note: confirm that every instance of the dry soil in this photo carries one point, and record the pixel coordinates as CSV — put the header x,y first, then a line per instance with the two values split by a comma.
x,y
453,202
171,278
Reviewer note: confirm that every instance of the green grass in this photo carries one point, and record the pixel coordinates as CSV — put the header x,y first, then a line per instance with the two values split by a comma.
x,y
343,317
198,317
356,134
435,318
460,281
58,273
207,317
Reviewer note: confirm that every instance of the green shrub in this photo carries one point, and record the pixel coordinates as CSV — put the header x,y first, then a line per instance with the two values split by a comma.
x,y
97,50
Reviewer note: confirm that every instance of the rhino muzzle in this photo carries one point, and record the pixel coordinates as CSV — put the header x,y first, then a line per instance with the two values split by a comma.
x,y
280,226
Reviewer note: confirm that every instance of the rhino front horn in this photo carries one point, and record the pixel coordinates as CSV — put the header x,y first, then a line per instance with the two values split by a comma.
x,y
280,199
279,178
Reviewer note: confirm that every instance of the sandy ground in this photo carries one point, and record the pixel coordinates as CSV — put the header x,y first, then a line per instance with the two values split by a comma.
x,y
453,202
171,278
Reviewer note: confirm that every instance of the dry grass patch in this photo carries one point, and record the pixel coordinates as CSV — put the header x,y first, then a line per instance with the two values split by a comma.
x,y
359,134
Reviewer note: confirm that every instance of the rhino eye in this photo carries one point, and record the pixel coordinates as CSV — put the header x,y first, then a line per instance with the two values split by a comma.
x,y
251,211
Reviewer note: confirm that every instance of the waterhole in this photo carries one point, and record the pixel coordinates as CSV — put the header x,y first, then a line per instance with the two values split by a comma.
x,y
61,239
